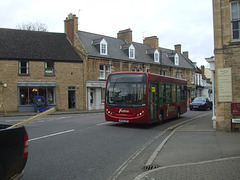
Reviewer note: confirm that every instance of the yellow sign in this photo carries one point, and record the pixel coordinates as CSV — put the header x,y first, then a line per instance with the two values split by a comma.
x,y
153,89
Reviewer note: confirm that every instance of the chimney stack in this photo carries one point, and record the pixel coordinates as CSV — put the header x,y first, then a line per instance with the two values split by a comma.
x,y
185,53
203,69
178,48
71,26
151,41
125,35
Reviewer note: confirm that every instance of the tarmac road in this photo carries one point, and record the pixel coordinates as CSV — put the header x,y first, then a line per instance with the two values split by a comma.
x,y
84,146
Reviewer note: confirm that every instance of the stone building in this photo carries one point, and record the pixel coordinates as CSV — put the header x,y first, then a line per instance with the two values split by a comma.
x,y
70,69
103,54
39,64
226,18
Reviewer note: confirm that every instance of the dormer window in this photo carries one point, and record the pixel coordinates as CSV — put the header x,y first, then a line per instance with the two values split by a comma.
x,y
131,52
176,60
101,45
156,56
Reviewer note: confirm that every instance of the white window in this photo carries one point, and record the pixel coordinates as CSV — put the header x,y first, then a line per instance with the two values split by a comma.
x,y
156,56
176,60
103,47
108,70
192,78
23,67
131,52
104,71
235,20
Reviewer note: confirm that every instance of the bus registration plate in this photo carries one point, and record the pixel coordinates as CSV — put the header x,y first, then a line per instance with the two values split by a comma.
x,y
123,120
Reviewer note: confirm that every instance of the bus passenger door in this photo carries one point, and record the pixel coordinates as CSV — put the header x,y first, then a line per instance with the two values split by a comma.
x,y
153,102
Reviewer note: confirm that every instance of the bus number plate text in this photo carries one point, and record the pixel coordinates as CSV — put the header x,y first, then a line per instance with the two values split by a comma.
x,y
124,120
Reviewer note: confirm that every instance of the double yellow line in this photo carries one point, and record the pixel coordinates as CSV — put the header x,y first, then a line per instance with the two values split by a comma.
x,y
186,121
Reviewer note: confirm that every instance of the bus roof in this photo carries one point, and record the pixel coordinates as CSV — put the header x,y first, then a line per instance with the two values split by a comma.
x,y
156,77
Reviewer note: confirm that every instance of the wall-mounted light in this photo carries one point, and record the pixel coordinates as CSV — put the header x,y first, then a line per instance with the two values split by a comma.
x,y
4,85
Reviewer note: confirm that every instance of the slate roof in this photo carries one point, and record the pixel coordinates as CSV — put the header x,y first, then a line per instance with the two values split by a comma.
x,y
115,52
36,45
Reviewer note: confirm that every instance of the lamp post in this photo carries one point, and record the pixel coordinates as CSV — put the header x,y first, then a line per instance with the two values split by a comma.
x,y
211,62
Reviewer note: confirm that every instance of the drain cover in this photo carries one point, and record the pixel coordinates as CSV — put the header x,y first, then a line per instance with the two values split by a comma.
x,y
150,167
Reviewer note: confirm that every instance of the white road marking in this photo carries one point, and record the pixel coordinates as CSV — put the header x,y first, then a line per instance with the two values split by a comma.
x,y
104,123
50,135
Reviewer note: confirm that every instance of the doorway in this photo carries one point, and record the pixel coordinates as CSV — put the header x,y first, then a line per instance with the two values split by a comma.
x,y
153,101
71,97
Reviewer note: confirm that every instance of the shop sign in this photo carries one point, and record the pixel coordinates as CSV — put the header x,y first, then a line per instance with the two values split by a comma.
x,y
235,108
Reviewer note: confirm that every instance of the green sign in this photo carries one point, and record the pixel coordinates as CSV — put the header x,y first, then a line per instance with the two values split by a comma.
x,y
224,84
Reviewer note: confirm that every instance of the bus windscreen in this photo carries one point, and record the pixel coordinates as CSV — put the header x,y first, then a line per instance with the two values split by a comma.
x,y
126,90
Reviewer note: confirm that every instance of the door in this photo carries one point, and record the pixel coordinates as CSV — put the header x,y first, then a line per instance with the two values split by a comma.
x,y
71,97
153,101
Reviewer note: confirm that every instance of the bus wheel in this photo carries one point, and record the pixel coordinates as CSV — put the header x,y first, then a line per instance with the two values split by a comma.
x,y
178,113
161,116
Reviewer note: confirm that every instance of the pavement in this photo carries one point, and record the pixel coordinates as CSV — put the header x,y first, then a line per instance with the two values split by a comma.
x,y
192,151
197,151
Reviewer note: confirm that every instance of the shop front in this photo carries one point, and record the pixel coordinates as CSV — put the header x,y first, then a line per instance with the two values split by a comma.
x,y
95,94
27,91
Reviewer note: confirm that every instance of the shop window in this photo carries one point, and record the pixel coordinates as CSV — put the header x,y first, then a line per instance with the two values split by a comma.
x,y
102,94
24,96
27,94
23,67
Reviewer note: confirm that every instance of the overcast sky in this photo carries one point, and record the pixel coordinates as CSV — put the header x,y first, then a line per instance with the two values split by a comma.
x,y
185,22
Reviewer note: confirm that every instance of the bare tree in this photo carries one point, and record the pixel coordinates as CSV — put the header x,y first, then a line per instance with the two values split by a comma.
x,y
37,26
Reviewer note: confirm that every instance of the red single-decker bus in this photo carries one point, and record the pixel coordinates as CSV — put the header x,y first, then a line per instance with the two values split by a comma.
x,y
145,98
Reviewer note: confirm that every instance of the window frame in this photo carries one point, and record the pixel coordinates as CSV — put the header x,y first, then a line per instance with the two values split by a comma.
x,y
102,71
105,71
46,68
156,56
176,59
103,47
131,52
20,68
237,21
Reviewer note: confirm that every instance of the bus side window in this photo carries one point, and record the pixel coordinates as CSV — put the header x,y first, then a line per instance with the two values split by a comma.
x,y
178,93
160,94
174,93
169,93
164,93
